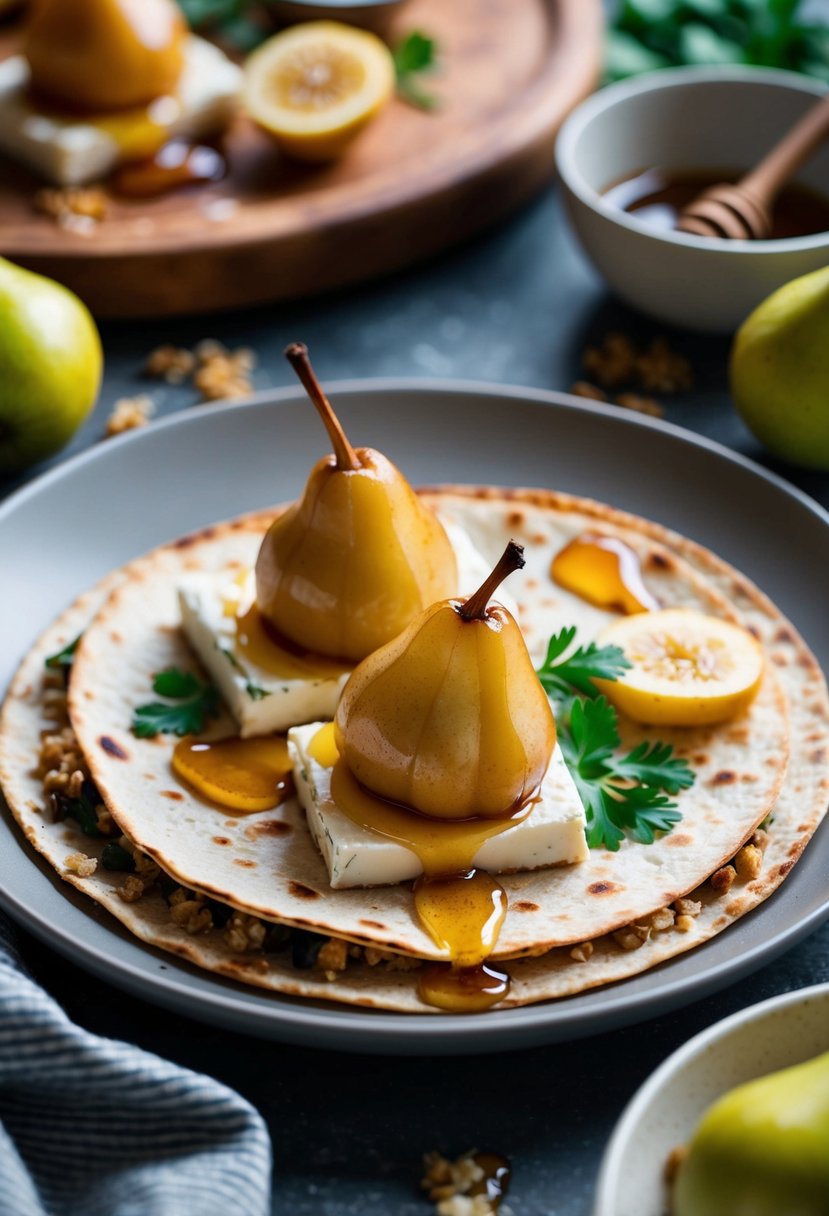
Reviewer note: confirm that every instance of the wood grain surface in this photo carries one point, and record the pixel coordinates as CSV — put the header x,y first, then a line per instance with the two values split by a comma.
x,y
413,183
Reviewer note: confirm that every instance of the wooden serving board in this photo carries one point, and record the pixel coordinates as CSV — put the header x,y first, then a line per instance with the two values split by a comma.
x,y
412,184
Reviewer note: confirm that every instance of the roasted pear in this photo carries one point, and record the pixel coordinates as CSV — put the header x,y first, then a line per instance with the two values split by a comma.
x,y
762,1149
449,718
346,568
102,55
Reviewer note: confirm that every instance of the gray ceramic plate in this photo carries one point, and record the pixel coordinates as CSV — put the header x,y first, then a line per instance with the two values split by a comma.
x,y
61,533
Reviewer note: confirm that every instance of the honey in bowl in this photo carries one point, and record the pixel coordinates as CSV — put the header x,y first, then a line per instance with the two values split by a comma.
x,y
657,196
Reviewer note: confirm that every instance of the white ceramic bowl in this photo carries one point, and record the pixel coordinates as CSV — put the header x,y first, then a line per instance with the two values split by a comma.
x,y
686,119
786,1030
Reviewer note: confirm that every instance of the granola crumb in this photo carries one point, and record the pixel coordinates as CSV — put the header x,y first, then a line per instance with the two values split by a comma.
x,y
684,923
688,907
761,839
191,914
374,955
81,864
632,936
444,1179
173,364
132,890
749,862
78,208
662,370
583,388
333,957
613,363
583,952
616,363
244,933
662,920
723,880
641,405
222,373
129,413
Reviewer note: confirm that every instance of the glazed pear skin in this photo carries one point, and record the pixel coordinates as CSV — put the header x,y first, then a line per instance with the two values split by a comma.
x,y
449,718
762,1149
346,568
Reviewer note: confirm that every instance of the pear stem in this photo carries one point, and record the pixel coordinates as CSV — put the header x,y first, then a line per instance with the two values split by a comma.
x,y
297,356
510,560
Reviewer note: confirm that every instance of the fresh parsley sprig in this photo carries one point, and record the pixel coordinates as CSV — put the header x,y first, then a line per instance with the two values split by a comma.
x,y
415,57
560,676
190,702
623,795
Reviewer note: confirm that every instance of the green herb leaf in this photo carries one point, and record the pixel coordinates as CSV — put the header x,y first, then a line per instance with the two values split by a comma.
x,y
190,703
255,692
622,795
414,57
65,657
114,857
83,811
560,676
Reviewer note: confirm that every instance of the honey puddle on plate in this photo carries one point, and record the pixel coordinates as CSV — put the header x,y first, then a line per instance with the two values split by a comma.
x,y
604,571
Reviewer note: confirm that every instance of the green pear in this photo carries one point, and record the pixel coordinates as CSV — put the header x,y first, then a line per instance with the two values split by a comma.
x,y
762,1149
50,366
780,371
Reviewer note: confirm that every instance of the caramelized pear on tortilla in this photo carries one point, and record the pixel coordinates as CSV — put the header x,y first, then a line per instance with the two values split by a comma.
x,y
741,780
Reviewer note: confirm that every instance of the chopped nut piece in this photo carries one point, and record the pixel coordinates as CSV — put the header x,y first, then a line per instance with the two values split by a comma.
x,y
444,1180
132,889
748,862
688,907
192,915
582,388
662,370
684,923
391,961
171,363
641,405
632,936
128,413
72,207
723,880
613,363
582,952
244,933
80,864
223,373
761,839
333,957
662,920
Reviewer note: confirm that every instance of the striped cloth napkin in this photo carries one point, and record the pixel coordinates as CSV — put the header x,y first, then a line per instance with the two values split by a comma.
x,y
93,1127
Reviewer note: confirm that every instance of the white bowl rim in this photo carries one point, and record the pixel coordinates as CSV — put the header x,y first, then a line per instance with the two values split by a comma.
x,y
613,1159
651,82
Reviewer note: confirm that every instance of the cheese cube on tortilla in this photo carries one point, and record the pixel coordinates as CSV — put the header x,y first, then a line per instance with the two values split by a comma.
x,y
552,834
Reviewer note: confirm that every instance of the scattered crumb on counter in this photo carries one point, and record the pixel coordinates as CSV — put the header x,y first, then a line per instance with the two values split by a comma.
x,y
641,405
128,413
463,1187
617,362
582,388
217,372
77,208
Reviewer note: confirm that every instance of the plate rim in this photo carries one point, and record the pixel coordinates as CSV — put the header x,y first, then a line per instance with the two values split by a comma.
x,y
384,1031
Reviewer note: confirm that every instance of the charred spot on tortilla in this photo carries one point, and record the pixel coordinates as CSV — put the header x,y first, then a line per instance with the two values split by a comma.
x,y
221,840
373,924
658,561
245,862
724,777
678,840
604,888
300,890
269,827
112,748
173,795
525,905
515,519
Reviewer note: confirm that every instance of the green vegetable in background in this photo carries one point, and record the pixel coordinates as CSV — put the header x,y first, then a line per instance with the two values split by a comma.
x,y
649,34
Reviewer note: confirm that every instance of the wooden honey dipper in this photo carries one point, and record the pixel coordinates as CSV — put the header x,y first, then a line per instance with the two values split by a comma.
x,y
743,212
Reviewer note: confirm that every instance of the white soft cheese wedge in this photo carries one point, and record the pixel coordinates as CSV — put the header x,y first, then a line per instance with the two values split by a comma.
x,y
552,834
72,151
260,701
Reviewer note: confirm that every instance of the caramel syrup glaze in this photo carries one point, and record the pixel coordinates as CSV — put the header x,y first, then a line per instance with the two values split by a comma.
x,y
242,775
256,641
176,164
462,909
657,196
604,571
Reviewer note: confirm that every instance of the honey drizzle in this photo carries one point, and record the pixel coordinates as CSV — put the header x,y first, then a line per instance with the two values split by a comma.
x,y
174,165
462,909
256,642
242,775
604,571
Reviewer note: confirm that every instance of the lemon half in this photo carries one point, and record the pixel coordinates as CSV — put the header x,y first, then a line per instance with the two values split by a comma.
x,y
688,669
315,86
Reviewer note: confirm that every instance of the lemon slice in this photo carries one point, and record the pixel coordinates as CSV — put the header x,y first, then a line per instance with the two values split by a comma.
x,y
313,87
688,669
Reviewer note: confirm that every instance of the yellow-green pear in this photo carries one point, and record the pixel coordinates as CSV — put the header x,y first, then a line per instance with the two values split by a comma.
x,y
450,719
50,366
762,1149
780,371
349,565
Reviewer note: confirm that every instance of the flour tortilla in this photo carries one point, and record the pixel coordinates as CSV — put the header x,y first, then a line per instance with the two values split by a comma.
x,y
796,813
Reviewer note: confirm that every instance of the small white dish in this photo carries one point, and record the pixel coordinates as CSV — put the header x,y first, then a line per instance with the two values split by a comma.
x,y
686,119
780,1032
